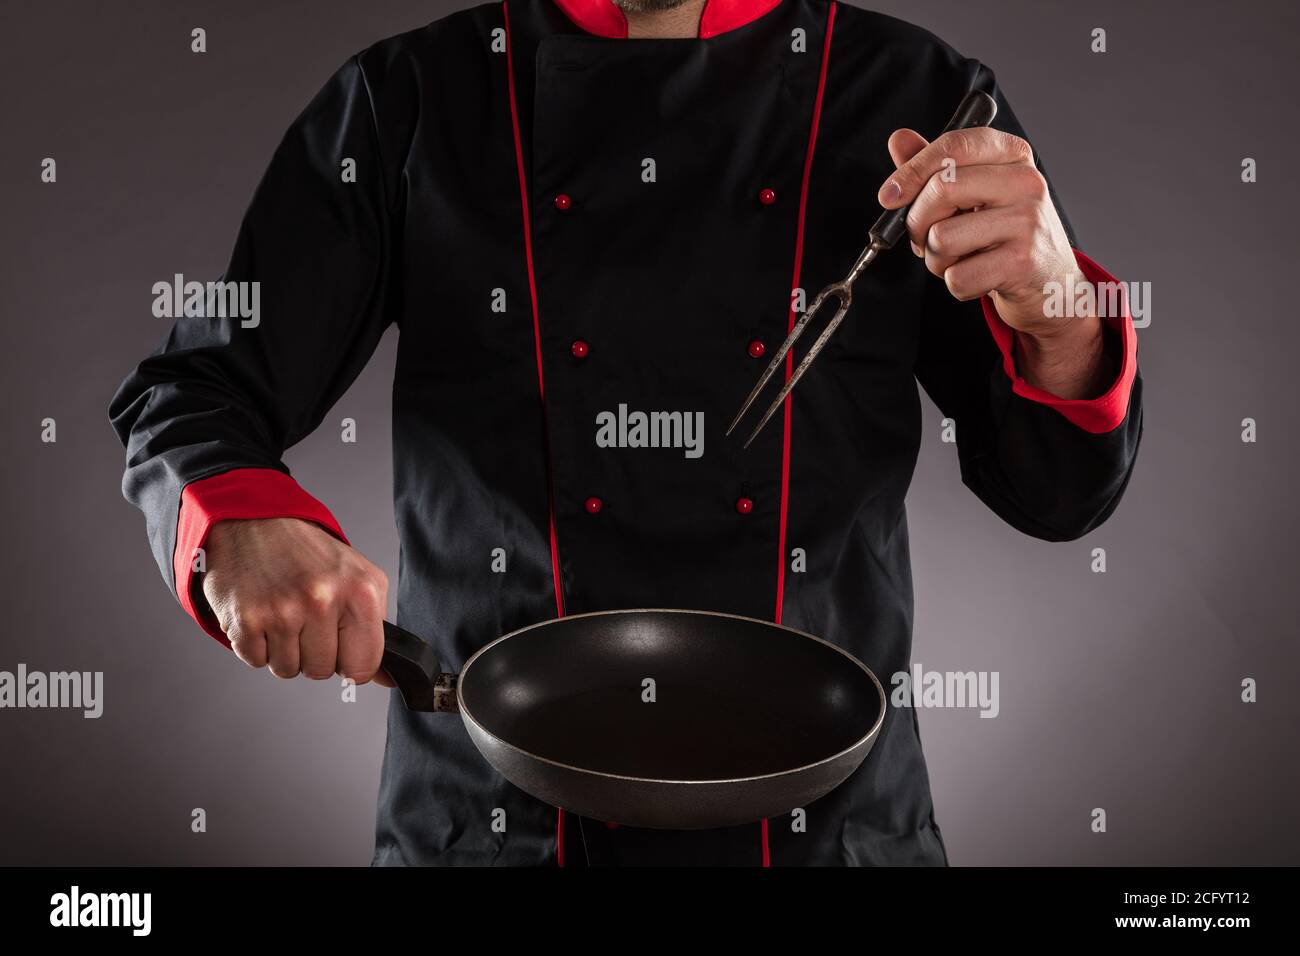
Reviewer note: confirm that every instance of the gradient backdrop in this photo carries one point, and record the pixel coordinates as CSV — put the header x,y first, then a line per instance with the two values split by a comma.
x,y
1118,690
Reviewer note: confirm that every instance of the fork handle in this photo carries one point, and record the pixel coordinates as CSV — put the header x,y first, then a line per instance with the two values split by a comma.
x,y
977,109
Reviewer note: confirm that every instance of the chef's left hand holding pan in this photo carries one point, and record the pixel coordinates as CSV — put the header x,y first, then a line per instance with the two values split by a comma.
x,y
292,598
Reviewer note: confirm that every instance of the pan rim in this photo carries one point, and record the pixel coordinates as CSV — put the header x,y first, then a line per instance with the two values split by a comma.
x,y
468,717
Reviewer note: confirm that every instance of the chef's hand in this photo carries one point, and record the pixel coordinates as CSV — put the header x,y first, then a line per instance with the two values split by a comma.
x,y
290,596
985,224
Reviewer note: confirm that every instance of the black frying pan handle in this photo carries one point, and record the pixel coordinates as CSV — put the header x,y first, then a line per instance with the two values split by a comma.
x,y
977,109
414,668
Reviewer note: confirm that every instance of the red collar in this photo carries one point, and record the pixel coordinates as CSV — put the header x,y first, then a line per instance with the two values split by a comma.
x,y
602,18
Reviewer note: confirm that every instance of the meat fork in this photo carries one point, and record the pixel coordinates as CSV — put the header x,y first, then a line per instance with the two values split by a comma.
x,y
977,109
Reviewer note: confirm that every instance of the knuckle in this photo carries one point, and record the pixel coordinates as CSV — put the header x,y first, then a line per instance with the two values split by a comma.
x,y
317,592
915,227
283,661
1038,186
956,284
350,670
241,635
937,238
288,612
318,661
957,143
372,584
360,652
361,644
318,602
1027,219
367,593
1033,183
1018,147
247,649
937,188
1022,257
908,179
226,617
358,672
252,621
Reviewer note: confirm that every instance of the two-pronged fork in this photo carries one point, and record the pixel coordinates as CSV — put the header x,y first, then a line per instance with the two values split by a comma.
x,y
977,109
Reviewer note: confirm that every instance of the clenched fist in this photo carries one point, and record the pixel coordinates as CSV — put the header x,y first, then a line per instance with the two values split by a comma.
x,y
290,596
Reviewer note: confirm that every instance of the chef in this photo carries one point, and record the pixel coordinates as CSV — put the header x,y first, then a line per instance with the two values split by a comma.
x,y
580,211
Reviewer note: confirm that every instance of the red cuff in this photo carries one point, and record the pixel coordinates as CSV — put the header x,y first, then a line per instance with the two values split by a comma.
x,y
242,493
1097,415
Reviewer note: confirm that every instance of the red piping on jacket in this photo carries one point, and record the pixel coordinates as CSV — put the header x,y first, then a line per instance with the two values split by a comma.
x,y
789,358
794,284
537,345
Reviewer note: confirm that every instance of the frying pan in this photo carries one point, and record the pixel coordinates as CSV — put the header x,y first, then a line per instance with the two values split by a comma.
x,y
656,718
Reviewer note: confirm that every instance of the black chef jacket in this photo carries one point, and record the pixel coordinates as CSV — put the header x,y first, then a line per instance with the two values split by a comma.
x,y
562,223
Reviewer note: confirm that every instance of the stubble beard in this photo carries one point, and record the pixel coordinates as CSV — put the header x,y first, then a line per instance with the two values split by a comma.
x,y
647,6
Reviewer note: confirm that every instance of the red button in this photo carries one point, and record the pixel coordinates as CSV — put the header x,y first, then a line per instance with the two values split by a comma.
x,y
756,349
744,505
563,202
767,196
593,505
579,349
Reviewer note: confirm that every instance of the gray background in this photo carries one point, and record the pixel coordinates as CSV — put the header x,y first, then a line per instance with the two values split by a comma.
x,y
1118,690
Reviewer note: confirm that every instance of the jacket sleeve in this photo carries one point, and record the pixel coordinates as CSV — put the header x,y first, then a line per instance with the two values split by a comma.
x,y
1052,468
206,418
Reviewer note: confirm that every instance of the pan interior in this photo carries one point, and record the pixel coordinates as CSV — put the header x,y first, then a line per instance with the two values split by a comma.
x,y
731,697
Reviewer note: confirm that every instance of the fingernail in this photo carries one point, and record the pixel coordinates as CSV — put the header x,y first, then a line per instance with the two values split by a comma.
x,y
916,251
890,192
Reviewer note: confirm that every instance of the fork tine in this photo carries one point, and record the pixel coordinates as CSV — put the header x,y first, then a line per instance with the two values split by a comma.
x,y
773,365
831,326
